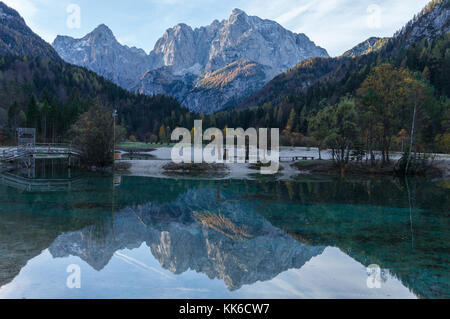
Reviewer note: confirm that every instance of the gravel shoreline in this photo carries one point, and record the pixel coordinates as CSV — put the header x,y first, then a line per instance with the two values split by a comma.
x,y
162,157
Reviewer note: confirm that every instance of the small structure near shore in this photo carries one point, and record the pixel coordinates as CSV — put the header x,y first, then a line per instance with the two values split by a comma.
x,y
27,150
26,137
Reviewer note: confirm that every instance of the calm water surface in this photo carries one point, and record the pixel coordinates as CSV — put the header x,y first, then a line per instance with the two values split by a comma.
x,y
135,237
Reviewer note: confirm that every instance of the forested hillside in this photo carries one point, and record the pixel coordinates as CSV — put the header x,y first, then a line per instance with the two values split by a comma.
x,y
50,95
38,89
421,50
17,38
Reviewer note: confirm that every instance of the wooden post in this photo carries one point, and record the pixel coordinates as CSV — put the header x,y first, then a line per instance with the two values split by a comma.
x,y
114,138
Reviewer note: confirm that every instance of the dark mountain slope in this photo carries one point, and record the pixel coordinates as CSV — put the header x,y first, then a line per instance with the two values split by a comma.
x,y
16,38
338,74
38,89
62,92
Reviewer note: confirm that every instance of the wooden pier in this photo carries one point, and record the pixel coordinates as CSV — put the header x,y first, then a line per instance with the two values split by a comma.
x,y
24,152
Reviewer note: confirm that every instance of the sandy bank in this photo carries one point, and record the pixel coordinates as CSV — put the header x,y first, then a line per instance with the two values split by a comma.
x,y
162,157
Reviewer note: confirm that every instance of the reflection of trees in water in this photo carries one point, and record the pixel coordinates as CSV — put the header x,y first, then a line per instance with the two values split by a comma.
x,y
382,192
400,225
314,212
377,229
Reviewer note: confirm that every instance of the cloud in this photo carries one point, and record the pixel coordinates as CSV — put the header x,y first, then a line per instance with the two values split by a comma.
x,y
291,14
336,25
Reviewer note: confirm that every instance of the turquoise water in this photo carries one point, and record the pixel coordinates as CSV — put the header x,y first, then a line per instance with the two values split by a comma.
x,y
135,237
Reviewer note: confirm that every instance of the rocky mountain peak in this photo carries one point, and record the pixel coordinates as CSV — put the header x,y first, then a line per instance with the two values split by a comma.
x,y
184,59
237,15
102,53
103,30
237,11
102,35
432,22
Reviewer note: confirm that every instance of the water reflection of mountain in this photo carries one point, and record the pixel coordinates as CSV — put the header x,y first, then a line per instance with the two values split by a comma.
x,y
30,221
24,235
400,225
222,239
242,235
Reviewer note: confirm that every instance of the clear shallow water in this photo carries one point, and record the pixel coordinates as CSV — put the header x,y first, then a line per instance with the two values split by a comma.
x,y
164,238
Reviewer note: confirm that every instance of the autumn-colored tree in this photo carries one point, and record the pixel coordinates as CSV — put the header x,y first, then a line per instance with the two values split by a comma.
x,y
162,133
418,94
336,127
384,106
291,121
344,131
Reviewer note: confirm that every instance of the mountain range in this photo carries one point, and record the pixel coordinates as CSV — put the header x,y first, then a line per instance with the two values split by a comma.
x,y
236,245
238,242
344,74
39,89
233,70
207,69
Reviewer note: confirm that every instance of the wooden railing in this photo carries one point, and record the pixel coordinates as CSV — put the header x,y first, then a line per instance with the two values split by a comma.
x,y
22,151
30,184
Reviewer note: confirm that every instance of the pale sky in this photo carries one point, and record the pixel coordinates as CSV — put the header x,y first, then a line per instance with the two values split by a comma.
x,y
336,25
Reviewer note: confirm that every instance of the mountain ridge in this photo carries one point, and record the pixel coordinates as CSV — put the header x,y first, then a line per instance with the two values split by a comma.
x,y
184,58
81,52
39,89
370,45
16,38
333,70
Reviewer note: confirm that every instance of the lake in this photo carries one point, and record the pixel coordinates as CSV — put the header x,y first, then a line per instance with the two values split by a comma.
x,y
136,237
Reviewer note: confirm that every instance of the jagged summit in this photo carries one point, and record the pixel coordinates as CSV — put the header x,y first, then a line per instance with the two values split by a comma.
x,y
100,51
104,30
429,25
184,58
237,11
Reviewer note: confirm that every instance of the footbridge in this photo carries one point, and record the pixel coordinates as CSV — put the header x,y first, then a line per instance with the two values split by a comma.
x,y
24,155
38,150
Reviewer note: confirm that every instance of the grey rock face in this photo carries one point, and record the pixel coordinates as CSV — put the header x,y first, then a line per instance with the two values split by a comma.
x,y
227,86
223,240
184,58
165,81
100,52
431,23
